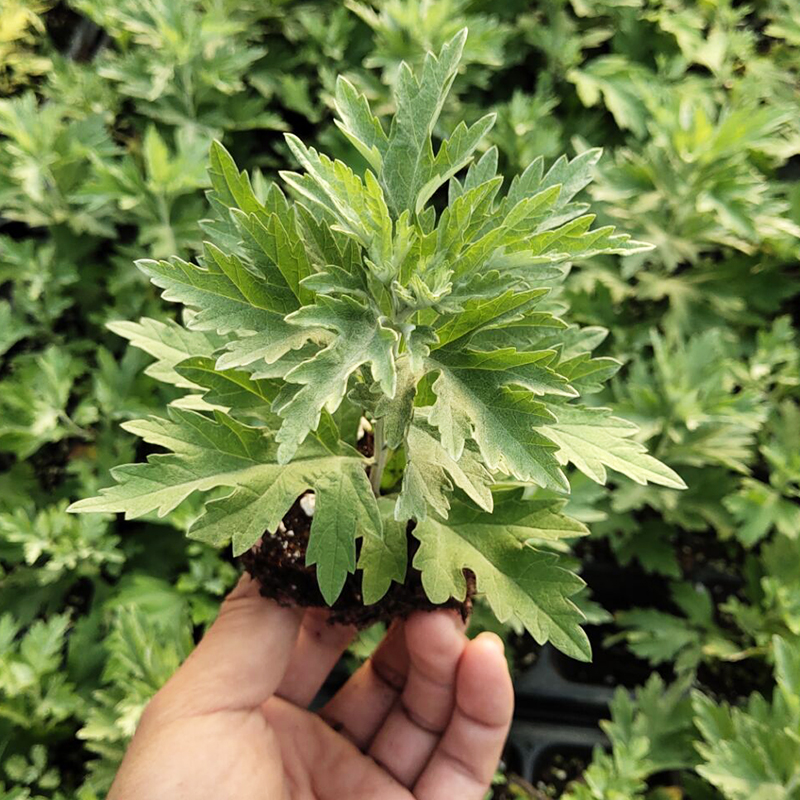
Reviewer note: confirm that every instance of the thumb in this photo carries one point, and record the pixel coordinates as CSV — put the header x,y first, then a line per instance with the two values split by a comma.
x,y
239,662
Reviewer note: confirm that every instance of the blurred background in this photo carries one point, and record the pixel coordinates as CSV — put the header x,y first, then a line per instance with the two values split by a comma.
x,y
693,600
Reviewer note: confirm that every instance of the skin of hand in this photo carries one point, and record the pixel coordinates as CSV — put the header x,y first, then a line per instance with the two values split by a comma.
x,y
426,717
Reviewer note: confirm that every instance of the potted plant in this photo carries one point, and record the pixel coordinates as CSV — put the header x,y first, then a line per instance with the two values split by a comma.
x,y
389,345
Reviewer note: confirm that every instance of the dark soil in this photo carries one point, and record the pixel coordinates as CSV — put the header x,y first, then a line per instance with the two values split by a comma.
x,y
50,461
734,681
279,564
366,444
717,565
559,768
611,665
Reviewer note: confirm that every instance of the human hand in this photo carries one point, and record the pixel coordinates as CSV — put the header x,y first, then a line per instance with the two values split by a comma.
x,y
426,717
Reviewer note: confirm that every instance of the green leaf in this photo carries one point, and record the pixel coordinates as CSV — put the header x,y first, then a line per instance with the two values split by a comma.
x,y
517,580
360,340
384,554
231,187
592,439
411,172
430,473
358,207
273,340
577,239
226,294
209,453
273,243
758,508
396,412
12,328
33,401
490,397
169,343
571,176
227,388
486,312
345,509
753,751
359,124
621,83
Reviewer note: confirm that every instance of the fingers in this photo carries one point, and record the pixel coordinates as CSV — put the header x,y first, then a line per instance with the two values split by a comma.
x,y
240,661
405,741
359,708
319,646
466,758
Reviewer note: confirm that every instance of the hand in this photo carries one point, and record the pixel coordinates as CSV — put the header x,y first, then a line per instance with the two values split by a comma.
x,y
426,717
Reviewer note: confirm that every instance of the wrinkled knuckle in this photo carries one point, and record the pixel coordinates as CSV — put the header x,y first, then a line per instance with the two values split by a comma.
x,y
473,771
427,722
390,677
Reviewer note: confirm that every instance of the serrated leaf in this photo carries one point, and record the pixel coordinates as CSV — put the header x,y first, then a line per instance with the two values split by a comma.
x,y
483,312
758,508
274,339
384,554
576,239
273,243
491,398
231,187
33,403
592,439
12,328
752,751
358,206
505,233
430,473
226,294
530,333
482,170
396,412
322,380
209,453
516,579
359,124
169,343
588,374
464,217
454,153
345,509
411,172
227,388
570,176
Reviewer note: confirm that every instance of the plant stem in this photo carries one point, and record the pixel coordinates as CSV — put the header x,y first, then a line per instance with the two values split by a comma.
x,y
380,453
73,426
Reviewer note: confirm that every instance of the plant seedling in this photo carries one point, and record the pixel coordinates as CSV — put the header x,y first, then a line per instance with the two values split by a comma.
x,y
388,344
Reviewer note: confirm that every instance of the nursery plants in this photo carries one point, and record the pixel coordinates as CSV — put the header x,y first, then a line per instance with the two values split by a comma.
x,y
383,303
337,305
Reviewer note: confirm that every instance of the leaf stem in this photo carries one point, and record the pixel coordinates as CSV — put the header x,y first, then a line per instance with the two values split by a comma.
x,y
73,426
380,454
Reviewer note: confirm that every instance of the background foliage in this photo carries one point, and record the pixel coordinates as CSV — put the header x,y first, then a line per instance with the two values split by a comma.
x,y
105,124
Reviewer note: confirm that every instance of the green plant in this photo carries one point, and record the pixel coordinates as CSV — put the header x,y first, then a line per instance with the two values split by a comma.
x,y
753,751
20,32
360,298
649,732
683,641
205,53
102,144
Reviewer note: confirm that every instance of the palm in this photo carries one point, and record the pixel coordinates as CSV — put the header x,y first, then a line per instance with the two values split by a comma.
x,y
424,718
320,764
